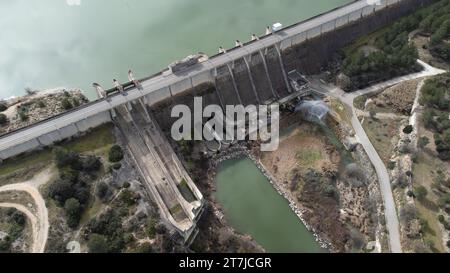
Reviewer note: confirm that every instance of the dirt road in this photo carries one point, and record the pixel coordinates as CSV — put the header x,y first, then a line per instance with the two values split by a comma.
x,y
39,221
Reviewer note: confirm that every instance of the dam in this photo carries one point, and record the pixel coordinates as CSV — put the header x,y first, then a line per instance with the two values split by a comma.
x,y
255,72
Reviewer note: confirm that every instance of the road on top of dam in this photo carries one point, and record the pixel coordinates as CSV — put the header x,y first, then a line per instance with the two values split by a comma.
x,y
163,80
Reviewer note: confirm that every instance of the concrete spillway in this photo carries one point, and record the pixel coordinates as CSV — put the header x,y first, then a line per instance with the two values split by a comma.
x,y
226,86
238,76
279,83
244,83
163,173
261,78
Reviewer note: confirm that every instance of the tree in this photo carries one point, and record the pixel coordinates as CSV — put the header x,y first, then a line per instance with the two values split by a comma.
x,y
65,158
101,190
97,244
3,119
60,190
408,129
115,154
73,211
66,104
3,106
91,163
23,116
420,192
423,141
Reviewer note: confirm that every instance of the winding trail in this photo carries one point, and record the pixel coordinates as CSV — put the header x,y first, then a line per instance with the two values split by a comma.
x,y
392,223
39,222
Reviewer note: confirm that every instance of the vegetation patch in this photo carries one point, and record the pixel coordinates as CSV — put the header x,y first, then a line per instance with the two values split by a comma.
x,y
72,189
388,53
12,226
436,98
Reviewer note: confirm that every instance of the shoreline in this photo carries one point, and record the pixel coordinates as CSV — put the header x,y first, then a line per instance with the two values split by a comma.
x,y
14,99
242,152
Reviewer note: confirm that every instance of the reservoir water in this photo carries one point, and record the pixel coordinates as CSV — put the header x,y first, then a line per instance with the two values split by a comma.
x,y
46,44
252,206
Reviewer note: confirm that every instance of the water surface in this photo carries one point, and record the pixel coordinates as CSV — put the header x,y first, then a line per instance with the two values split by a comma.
x,y
48,43
252,206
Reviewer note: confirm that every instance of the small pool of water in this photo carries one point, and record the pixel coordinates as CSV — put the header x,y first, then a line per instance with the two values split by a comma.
x,y
253,206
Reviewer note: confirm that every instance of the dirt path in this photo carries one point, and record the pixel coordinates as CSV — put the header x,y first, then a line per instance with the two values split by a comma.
x,y
41,224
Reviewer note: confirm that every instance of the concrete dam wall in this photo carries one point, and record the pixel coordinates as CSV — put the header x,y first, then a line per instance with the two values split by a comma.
x,y
260,77
255,73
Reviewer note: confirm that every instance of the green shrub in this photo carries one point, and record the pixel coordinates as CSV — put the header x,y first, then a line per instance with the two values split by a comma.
x,y
420,192
66,104
97,244
391,165
101,190
408,129
23,116
72,209
423,141
115,154
3,106
3,119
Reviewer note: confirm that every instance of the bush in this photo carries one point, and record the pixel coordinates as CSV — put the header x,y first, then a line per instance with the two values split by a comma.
x,y
3,119
391,165
23,116
75,102
66,104
101,190
408,129
97,244
66,158
423,141
3,106
331,191
420,192
151,228
72,209
115,154
91,163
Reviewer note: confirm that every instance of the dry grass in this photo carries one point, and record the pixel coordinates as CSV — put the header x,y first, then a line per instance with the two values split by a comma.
x,y
303,147
383,134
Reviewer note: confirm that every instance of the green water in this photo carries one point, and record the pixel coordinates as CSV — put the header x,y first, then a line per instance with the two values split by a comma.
x,y
252,206
46,44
